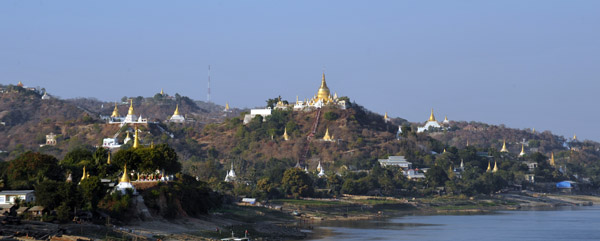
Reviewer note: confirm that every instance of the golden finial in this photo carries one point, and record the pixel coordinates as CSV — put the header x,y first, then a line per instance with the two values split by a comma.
x,y
127,137
489,167
335,96
115,111
131,112
385,117
176,110
108,161
327,137
136,140
504,147
285,135
20,84
522,150
431,117
444,150
445,118
162,92
296,99
125,177
574,137
83,176
495,167
226,105
533,131
552,163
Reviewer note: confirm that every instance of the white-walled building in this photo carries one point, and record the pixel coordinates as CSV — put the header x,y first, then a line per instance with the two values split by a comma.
x,y
9,196
431,123
257,112
398,161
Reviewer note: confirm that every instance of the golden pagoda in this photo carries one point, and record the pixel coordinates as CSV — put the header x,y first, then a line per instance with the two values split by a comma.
x,y
533,131
552,163
444,150
83,175
574,137
386,118
431,117
522,150
136,140
162,92
176,110
115,112
446,119
335,96
131,112
327,137
125,177
495,167
108,161
504,147
20,84
226,106
489,167
285,135
323,93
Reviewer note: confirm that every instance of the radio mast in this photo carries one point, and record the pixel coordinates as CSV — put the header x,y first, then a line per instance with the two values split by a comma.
x,y
208,95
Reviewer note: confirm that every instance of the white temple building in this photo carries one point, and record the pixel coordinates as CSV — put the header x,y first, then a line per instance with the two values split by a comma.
x,y
257,112
131,117
45,96
323,98
111,143
431,124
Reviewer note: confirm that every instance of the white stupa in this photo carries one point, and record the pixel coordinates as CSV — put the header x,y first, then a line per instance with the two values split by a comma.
x,y
125,183
230,175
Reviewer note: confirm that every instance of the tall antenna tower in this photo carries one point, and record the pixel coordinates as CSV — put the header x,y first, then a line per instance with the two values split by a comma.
x,y
208,95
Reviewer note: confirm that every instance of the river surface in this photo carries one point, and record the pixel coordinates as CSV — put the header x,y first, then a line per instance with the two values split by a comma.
x,y
566,223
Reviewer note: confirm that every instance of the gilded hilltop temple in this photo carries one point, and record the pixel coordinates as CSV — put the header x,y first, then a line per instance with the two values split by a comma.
x,y
321,99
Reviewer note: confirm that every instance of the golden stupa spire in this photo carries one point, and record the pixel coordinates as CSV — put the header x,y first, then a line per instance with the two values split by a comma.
x,y
131,112
504,147
176,110
323,92
489,167
136,140
108,161
285,134
446,118
327,137
125,177
574,137
127,137
533,131
552,163
444,150
522,150
386,117
495,167
162,92
226,105
115,111
467,142
431,117
83,175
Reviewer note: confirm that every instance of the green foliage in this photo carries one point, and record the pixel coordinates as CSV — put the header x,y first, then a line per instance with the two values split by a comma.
x,y
436,176
92,192
117,205
297,183
31,168
330,116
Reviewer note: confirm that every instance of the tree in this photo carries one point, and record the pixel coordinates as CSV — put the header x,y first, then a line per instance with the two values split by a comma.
x,y
436,176
297,183
92,192
30,168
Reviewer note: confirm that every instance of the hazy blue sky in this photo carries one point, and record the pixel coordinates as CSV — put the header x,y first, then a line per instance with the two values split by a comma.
x,y
525,64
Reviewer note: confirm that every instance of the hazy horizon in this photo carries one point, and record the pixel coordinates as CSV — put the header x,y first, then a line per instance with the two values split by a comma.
x,y
522,64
